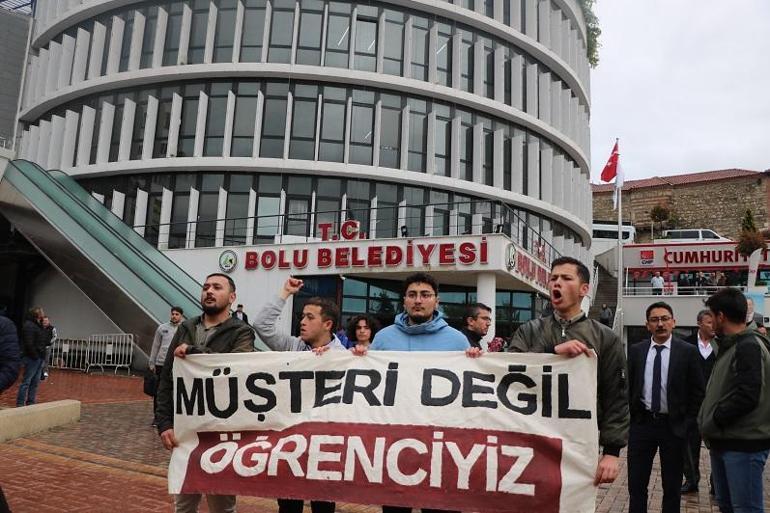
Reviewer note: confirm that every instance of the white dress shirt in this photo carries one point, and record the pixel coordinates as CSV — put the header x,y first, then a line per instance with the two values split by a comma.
x,y
665,354
705,348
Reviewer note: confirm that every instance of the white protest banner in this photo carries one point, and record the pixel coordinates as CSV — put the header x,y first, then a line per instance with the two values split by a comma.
x,y
501,433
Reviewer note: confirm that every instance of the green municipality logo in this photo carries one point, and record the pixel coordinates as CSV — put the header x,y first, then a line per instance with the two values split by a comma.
x,y
228,260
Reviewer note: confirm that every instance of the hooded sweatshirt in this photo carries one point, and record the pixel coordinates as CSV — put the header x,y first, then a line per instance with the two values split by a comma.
x,y
433,335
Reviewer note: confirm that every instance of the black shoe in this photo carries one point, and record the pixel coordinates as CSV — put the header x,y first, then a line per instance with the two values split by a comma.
x,y
689,488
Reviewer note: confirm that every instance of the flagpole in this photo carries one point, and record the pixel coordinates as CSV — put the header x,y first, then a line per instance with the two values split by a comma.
x,y
619,306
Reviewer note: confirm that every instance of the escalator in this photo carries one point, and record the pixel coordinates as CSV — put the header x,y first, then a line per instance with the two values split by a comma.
x,y
132,282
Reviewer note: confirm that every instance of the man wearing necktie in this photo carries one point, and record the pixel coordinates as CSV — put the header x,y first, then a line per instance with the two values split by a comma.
x,y
667,388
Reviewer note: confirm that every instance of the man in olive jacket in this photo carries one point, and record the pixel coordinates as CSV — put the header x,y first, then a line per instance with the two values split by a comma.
x,y
569,332
213,332
734,418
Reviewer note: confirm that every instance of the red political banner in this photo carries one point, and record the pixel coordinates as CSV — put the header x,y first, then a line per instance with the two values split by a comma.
x,y
502,433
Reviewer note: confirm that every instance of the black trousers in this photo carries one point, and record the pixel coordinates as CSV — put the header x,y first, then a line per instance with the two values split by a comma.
x,y
399,509
296,506
647,437
158,370
691,454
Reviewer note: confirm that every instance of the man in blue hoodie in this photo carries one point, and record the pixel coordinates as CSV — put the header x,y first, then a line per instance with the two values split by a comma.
x,y
420,327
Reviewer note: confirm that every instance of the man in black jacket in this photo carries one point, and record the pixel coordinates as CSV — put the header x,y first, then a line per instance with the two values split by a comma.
x,y
478,318
33,353
213,332
666,389
705,342
9,367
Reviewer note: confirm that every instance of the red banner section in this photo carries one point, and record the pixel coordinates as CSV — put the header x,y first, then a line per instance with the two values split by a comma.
x,y
399,465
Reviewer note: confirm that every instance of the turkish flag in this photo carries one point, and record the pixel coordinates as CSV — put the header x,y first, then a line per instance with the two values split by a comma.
x,y
610,170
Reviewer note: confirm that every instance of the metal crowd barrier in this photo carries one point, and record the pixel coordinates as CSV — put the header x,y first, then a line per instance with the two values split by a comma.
x,y
68,353
110,350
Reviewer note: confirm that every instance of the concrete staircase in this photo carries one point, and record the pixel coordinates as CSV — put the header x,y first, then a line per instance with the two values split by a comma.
x,y
606,292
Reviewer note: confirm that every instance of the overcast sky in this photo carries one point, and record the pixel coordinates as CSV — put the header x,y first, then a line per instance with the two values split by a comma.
x,y
684,84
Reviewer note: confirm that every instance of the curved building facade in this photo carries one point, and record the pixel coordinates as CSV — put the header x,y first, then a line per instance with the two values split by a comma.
x,y
223,122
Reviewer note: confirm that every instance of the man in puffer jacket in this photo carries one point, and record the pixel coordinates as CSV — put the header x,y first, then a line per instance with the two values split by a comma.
x,y
33,341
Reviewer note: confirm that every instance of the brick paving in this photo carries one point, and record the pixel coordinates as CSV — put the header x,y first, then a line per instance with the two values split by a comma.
x,y
112,461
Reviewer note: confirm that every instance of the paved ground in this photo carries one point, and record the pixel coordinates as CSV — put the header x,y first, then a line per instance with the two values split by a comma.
x,y
112,461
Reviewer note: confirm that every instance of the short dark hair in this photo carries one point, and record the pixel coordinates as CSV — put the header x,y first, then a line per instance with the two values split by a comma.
x,y
583,273
177,309
659,304
472,310
373,324
420,278
329,310
731,302
239,306
704,313
229,280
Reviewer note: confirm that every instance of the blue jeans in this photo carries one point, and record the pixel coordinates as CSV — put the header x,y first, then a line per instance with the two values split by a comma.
x,y
28,387
738,480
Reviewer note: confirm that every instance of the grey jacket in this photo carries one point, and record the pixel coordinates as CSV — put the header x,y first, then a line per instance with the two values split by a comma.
x,y
163,337
265,326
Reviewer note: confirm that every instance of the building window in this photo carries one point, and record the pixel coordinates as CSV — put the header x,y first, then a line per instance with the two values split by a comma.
x,y
158,182
117,124
441,212
338,35
418,132
246,100
489,68
507,159
366,38
225,31
444,55
140,120
199,26
189,123
488,141
394,49
125,46
466,61
274,120
387,210
443,139
332,144
390,131
163,122
358,199
148,38
208,205
299,192
310,25
327,204
177,236
465,171
268,223
215,118
362,127
238,193
173,34
414,199
420,45
253,30
462,205
281,31
302,144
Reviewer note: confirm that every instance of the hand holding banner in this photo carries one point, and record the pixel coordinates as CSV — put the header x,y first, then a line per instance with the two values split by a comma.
x,y
501,433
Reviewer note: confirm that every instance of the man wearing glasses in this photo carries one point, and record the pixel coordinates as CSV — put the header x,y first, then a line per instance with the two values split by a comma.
x,y
420,327
478,318
666,390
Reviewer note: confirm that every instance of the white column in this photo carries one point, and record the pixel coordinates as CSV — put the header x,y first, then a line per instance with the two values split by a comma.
x,y
238,34
404,164
70,135
533,168
184,40
148,144
544,22
498,154
211,27
164,229
430,162
56,139
160,38
486,287
229,120
116,41
454,170
44,135
80,61
137,37
42,70
140,212
250,217
200,124
173,131
105,133
530,8
221,214
67,57
499,86
544,96
118,203
546,173
192,218
52,70
558,180
126,129
479,66
478,153
532,96
98,38
518,140
87,129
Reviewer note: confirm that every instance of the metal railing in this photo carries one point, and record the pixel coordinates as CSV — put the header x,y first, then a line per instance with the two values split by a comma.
x,y
671,289
103,350
393,221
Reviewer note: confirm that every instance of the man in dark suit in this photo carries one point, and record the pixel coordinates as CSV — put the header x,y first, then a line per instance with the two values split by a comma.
x,y
240,314
666,390
705,342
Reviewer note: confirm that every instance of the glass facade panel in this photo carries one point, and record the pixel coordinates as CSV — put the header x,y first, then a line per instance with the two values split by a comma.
x,y
173,33
199,27
225,30
148,39
338,35
125,46
303,128
246,101
281,32
390,131
387,210
190,101
366,42
443,139
332,144
310,25
208,203
215,119
465,171
444,55
253,30
362,127
163,122
394,49
274,120
466,61
140,119
420,45
418,133
237,209
179,209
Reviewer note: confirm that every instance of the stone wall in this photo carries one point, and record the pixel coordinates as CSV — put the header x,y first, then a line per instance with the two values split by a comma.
x,y
718,205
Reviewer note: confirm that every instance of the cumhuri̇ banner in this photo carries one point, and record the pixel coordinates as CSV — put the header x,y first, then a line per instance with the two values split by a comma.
x,y
501,433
